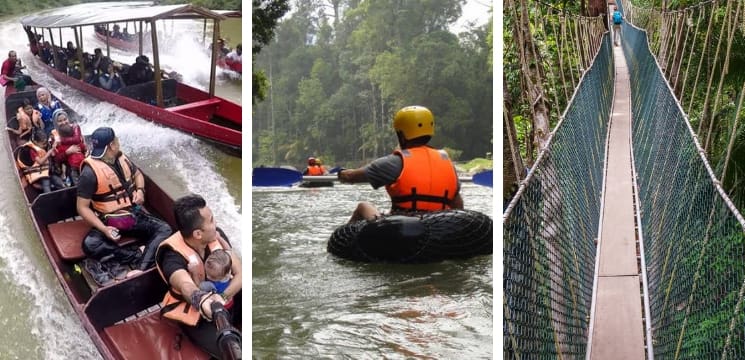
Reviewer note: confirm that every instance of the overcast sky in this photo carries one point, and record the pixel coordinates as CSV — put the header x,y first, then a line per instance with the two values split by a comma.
x,y
473,11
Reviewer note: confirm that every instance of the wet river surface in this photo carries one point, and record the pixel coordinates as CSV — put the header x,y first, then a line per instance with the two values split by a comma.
x,y
309,304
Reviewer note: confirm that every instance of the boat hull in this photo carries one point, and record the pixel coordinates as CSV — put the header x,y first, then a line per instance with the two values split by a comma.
x,y
230,65
428,237
121,44
101,310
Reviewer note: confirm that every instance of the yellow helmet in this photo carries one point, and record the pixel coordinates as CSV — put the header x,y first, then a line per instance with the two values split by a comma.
x,y
414,121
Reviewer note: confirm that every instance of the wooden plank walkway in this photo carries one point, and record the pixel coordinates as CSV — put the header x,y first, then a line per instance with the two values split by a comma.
x,y
617,328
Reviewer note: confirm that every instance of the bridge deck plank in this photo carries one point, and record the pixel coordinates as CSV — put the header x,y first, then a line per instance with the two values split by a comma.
x,y
618,329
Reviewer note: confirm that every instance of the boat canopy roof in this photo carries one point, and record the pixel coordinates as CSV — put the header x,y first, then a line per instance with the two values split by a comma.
x,y
229,13
111,12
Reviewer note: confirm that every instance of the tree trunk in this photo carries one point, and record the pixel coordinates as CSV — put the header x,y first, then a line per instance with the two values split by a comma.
x,y
512,166
533,74
548,238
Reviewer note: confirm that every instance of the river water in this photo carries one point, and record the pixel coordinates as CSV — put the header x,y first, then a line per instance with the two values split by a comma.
x,y
308,304
36,320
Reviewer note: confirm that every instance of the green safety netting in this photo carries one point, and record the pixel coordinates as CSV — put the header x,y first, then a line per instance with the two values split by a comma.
x,y
693,236
550,226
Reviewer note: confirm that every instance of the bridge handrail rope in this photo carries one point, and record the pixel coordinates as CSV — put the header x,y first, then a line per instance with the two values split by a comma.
x,y
538,160
724,197
733,21
569,269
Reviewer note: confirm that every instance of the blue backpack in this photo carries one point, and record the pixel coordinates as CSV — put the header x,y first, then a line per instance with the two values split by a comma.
x,y
617,18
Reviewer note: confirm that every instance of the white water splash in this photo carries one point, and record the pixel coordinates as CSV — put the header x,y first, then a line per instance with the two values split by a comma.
x,y
49,315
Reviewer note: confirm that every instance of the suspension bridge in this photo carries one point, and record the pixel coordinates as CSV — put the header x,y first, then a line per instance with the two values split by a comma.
x,y
621,242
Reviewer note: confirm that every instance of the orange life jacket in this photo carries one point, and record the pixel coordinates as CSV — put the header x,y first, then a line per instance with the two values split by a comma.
x,y
111,196
175,305
427,182
36,171
315,170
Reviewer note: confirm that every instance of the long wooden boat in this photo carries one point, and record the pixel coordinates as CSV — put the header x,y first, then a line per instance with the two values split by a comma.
x,y
164,101
133,46
119,43
122,319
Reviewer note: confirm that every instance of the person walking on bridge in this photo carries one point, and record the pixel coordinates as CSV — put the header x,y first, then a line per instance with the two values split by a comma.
x,y
617,21
417,177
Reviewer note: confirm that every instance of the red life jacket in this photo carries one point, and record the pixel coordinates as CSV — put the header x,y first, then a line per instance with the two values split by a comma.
x,y
427,182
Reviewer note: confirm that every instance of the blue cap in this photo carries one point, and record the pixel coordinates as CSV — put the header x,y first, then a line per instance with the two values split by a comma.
x,y
100,139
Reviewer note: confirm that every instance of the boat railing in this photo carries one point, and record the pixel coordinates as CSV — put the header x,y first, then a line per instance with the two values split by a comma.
x,y
145,92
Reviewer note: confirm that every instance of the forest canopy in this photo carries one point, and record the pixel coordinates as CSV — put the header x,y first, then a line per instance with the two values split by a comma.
x,y
338,70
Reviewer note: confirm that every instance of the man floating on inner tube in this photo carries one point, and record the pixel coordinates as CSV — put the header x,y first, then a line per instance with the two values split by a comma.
x,y
417,177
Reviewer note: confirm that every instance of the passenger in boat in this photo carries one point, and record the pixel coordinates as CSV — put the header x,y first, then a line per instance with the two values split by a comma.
x,y
9,74
180,261
99,62
416,177
33,40
111,191
46,106
18,70
101,29
314,168
222,49
111,79
140,72
63,60
28,119
218,270
235,56
117,34
33,159
46,53
70,51
71,149
126,35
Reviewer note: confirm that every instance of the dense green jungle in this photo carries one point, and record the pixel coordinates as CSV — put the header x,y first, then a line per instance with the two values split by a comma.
x,y
554,62
333,73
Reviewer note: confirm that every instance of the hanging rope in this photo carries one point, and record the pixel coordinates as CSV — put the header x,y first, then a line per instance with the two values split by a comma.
x,y
704,113
725,69
682,92
701,59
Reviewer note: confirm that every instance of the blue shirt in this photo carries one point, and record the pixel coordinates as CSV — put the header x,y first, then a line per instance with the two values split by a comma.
x,y
46,114
220,286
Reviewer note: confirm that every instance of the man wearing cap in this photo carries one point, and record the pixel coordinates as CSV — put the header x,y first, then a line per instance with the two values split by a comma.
x,y
418,178
111,190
